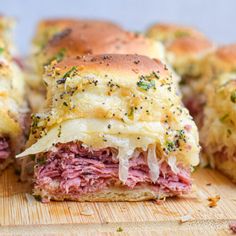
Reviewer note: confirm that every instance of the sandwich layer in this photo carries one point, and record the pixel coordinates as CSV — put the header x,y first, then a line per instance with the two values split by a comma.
x,y
5,152
74,172
219,141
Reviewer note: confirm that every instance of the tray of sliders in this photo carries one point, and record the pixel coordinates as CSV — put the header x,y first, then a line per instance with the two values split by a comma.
x,y
105,131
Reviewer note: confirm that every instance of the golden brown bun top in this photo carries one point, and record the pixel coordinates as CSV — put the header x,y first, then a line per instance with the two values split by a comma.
x,y
227,53
58,22
222,60
67,22
62,23
174,31
96,37
134,65
180,40
46,29
190,45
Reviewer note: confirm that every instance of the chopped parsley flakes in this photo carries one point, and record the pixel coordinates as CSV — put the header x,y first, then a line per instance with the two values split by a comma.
x,y
147,82
233,96
66,75
224,117
119,229
57,57
146,85
1,50
38,198
170,146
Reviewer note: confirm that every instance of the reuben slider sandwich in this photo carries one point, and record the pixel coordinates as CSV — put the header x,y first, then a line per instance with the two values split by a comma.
x,y
12,101
219,141
114,130
186,50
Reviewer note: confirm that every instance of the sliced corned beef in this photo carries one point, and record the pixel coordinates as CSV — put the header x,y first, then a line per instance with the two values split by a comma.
x,y
5,151
78,170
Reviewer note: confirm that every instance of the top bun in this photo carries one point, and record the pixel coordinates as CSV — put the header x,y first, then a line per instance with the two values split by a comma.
x,y
96,37
46,29
222,60
186,47
168,32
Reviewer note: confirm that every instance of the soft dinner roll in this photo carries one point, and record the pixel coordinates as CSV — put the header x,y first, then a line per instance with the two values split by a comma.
x,y
218,134
219,113
222,60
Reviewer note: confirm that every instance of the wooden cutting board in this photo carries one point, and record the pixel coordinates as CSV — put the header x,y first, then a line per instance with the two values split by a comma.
x,y
19,216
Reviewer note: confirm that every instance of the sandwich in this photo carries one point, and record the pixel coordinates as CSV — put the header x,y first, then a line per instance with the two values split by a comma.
x,y
113,129
83,37
219,128
186,50
13,107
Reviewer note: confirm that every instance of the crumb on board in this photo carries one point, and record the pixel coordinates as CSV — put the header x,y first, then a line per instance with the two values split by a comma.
x,y
208,184
30,198
232,226
160,201
119,229
213,200
87,212
185,218
200,195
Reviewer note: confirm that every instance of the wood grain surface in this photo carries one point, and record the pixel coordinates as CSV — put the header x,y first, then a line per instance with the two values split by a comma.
x,y
20,214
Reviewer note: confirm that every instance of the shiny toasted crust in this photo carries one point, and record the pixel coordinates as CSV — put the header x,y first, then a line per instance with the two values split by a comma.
x,y
108,195
99,38
219,141
167,33
46,29
190,46
131,65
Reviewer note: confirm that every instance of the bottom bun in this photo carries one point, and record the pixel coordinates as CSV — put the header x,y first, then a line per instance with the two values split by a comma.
x,y
227,167
108,195
5,164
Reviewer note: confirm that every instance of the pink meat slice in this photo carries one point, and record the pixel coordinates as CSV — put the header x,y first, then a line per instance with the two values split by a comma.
x,y
232,226
80,170
5,151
